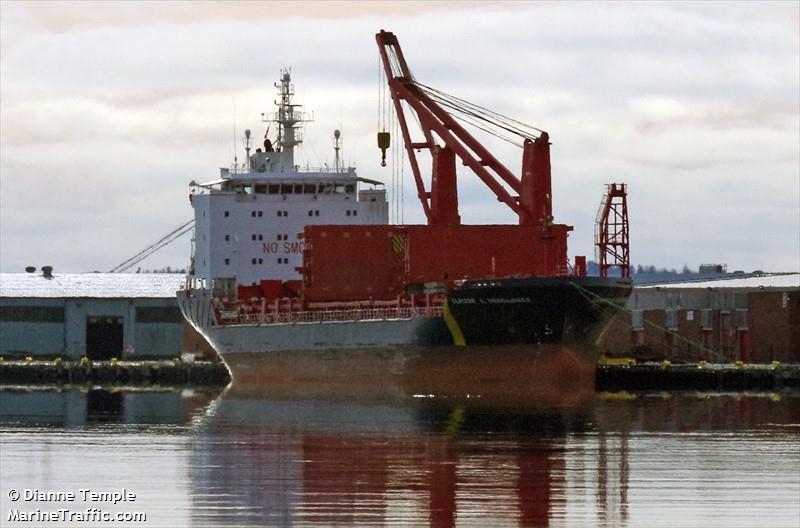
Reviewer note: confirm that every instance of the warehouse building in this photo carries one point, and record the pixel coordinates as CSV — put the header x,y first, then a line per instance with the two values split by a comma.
x,y
753,319
96,315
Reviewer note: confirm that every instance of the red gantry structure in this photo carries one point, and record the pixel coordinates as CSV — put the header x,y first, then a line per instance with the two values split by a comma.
x,y
611,233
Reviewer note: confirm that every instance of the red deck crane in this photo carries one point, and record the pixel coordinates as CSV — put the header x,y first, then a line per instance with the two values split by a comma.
x,y
532,196
529,195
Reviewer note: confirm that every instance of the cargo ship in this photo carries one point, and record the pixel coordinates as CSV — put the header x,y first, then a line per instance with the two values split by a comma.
x,y
291,264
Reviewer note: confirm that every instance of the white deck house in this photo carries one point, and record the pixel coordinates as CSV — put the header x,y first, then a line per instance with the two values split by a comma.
x,y
248,222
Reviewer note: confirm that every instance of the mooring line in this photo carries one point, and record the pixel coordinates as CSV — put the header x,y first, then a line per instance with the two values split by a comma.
x,y
705,350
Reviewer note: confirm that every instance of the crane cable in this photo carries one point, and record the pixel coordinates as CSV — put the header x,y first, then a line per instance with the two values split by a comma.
x,y
152,248
472,113
515,123
472,118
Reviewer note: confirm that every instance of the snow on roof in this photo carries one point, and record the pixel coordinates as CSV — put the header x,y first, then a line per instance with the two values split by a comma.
x,y
787,280
91,285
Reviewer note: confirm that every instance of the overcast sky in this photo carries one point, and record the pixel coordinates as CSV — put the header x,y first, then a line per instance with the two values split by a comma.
x,y
108,110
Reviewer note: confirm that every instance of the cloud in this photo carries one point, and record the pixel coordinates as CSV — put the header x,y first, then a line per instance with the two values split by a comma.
x,y
109,110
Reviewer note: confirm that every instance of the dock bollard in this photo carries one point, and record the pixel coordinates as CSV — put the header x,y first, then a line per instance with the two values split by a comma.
x,y
86,365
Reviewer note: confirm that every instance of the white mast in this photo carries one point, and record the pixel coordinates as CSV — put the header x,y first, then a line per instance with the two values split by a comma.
x,y
288,118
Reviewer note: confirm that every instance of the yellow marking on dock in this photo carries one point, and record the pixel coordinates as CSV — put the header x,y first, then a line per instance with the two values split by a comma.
x,y
616,396
607,361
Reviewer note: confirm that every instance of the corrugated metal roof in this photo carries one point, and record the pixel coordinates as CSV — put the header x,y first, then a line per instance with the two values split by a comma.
x,y
791,280
98,285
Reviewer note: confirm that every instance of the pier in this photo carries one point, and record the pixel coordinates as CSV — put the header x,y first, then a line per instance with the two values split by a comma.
x,y
136,373
611,376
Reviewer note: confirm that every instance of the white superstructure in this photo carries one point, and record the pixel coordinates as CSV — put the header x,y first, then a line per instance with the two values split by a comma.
x,y
248,223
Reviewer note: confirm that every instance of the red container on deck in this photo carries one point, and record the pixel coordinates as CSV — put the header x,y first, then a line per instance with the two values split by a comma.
x,y
446,253
347,263
344,263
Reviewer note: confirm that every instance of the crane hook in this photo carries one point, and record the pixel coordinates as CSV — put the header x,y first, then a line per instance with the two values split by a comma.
x,y
384,140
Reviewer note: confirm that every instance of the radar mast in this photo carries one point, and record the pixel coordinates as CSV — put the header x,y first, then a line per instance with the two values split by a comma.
x,y
289,120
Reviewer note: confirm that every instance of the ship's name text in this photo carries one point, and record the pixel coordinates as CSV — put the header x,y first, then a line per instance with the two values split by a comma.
x,y
491,300
286,247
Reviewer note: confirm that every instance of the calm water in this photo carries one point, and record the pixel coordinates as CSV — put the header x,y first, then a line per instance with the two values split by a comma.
x,y
251,458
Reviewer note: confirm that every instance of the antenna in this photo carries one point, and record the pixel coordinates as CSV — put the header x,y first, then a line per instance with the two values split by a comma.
x,y
247,144
336,163
235,159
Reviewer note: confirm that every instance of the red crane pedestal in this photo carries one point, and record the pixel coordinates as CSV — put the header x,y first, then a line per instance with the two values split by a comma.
x,y
536,195
444,190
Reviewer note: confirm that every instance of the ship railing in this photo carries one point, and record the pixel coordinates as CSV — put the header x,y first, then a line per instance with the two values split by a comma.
x,y
299,170
362,314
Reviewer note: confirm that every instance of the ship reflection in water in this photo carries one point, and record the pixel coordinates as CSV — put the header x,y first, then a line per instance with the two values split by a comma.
x,y
491,444
350,451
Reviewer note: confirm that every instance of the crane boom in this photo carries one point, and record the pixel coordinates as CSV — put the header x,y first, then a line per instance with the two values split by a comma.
x,y
532,196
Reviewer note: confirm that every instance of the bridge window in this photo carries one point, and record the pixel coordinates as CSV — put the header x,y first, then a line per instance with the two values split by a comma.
x,y
339,188
298,189
274,189
309,188
261,189
227,261
227,214
350,188
286,189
